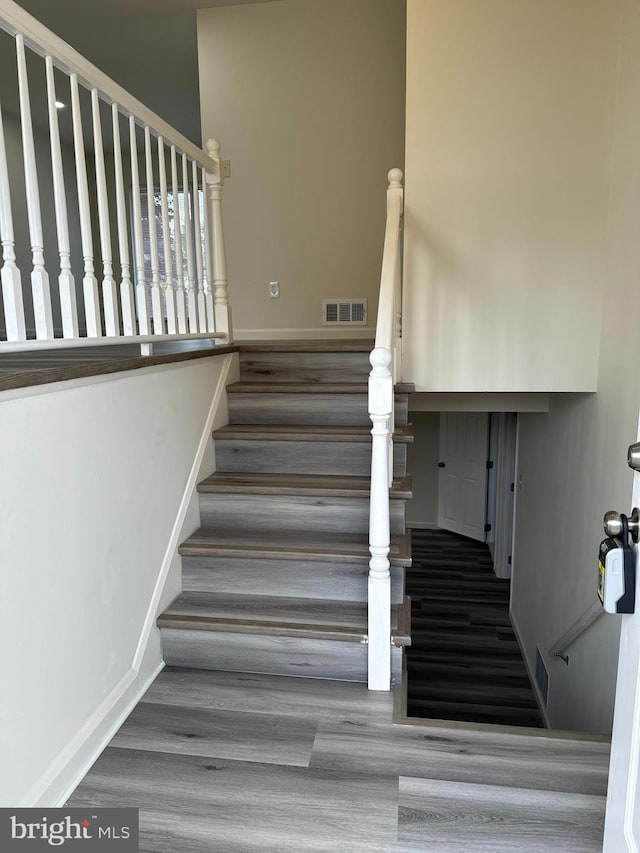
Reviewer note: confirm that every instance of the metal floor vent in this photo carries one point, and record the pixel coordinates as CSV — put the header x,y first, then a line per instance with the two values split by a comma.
x,y
542,677
344,312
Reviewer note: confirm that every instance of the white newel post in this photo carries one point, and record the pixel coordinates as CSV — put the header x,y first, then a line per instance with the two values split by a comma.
x,y
380,412
9,274
220,291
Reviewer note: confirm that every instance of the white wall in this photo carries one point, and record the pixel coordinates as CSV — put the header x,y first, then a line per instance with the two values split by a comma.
x,y
96,474
573,460
509,112
307,99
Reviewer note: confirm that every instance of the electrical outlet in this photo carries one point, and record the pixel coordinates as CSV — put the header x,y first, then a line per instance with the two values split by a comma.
x,y
274,289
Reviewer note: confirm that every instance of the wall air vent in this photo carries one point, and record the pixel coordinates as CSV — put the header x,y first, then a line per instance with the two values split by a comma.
x,y
344,312
542,678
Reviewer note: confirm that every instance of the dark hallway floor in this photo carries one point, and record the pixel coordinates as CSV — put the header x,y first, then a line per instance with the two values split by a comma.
x,y
464,662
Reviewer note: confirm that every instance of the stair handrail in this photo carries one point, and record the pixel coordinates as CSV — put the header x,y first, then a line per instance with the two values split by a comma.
x,y
191,304
385,371
576,630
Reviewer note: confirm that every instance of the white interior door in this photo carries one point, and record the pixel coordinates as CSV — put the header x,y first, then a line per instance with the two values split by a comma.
x,y
462,479
622,822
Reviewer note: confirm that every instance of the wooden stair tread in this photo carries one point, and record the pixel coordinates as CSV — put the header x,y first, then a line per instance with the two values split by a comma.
x,y
298,484
276,616
325,345
293,545
310,388
279,432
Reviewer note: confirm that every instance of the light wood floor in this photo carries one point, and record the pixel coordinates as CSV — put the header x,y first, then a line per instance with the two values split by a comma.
x,y
233,763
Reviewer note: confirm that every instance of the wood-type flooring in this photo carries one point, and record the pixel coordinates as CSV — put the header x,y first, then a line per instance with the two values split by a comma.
x,y
222,762
464,662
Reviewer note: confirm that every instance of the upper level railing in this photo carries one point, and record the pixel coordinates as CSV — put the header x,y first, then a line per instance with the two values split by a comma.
x,y
385,371
140,191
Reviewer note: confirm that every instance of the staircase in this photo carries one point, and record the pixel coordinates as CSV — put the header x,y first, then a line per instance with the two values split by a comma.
x,y
275,580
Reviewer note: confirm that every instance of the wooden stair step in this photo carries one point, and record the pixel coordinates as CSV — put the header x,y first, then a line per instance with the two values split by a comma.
x,y
291,545
307,345
283,432
292,617
310,388
298,484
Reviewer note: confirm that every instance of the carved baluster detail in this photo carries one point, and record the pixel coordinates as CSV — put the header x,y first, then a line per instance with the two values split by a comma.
x,y
181,308
89,281
156,293
208,259
66,282
144,325
166,242
39,277
188,238
199,247
109,297
127,302
9,274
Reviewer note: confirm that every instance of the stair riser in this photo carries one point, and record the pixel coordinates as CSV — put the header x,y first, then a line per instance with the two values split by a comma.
x,y
270,655
302,457
289,578
307,409
283,512
304,367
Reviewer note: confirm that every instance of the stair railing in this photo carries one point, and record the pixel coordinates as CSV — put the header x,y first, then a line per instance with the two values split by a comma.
x,y
385,371
576,630
169,283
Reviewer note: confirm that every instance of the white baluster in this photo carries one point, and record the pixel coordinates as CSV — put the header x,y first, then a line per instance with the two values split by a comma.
x,y
144,326
188,238
66,282
395,188
199,247
126,287
156,293
181,308
380,408
89,281
9,274
208,260
109,297
39,276
220,292
166,243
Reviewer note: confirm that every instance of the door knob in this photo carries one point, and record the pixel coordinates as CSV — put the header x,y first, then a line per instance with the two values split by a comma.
x,y
612,524
633,456
442,464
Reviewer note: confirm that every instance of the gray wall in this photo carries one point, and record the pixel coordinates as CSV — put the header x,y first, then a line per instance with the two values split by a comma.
x,y
422,464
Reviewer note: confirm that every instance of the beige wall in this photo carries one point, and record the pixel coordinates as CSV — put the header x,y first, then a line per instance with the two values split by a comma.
x,y
509,110
307,99
573,460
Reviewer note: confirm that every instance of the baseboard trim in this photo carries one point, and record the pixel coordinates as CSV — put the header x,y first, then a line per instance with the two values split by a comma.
x,y
317,333
52,790
531,673
422,525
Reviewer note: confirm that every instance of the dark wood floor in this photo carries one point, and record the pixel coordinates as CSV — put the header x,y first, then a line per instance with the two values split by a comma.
x,y
464,662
